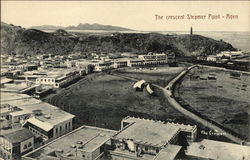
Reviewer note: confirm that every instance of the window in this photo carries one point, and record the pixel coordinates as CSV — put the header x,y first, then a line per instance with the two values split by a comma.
x,y
157,150
56,130
29,144
60,128
66,126
25,146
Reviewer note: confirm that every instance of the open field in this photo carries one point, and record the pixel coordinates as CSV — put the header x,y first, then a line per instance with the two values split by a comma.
x,y
103,100
159,75
223,99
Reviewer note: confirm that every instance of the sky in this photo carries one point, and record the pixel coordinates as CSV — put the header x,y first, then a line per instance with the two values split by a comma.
x,y
138,15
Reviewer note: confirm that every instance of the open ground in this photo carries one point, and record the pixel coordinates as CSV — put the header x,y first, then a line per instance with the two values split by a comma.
x,y
102,100
224,99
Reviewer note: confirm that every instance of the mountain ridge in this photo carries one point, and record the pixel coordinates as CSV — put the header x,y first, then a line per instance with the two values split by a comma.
x,y
82,26
18,40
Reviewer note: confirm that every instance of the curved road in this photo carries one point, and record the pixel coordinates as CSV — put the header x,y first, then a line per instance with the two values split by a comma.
x,y
167,91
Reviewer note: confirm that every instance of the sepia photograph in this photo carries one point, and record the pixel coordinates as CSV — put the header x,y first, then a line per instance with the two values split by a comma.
x,y
125,80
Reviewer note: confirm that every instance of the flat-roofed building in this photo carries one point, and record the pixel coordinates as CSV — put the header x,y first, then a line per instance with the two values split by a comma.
x,y
20,87
120,62
86,143
135,62
85,65
101,65
58,78
211,58
15,142
210,149
154,58
145,139
233,54
42,119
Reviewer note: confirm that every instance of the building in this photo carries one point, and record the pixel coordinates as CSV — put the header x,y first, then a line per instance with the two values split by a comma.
x,y
45,121
101,65
233,54
13,74
57,78
209,149
84,64
26,87
120,62
154,58
15,142
149,139
86,143
211,58
135,62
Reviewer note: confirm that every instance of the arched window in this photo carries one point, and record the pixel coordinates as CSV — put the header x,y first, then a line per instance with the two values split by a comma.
x,y
30,144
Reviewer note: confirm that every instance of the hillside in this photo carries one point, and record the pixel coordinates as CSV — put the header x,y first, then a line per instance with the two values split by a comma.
x,y
81,26
31,42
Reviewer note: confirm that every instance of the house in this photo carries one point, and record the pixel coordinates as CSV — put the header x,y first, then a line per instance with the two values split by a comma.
x,y
154,58
148,139
120,62
15,142
101,65
44,120
86,143
58,78
211,58
135,62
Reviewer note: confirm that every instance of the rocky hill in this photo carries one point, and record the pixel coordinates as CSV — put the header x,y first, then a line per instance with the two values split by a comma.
x,y
82,26
18,40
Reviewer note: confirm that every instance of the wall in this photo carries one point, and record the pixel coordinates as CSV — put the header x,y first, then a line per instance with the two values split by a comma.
x,y
5,148
61,129
27,145
95,153
46,81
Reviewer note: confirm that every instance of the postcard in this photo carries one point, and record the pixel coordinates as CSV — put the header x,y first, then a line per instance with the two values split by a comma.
x,y
125,80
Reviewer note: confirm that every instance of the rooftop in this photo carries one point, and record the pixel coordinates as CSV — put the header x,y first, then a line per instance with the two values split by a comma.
x,y
5,80
17,87
209,149
168,153
50,114
181,126
89,138
52,73
152,133
16,135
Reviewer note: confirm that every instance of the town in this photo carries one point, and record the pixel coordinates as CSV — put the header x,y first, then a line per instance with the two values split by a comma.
x,y
33,129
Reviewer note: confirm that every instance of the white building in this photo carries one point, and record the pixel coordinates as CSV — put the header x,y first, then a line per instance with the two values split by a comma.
x,y
154,58
58,78
101,65
232,54
211,58
42,119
